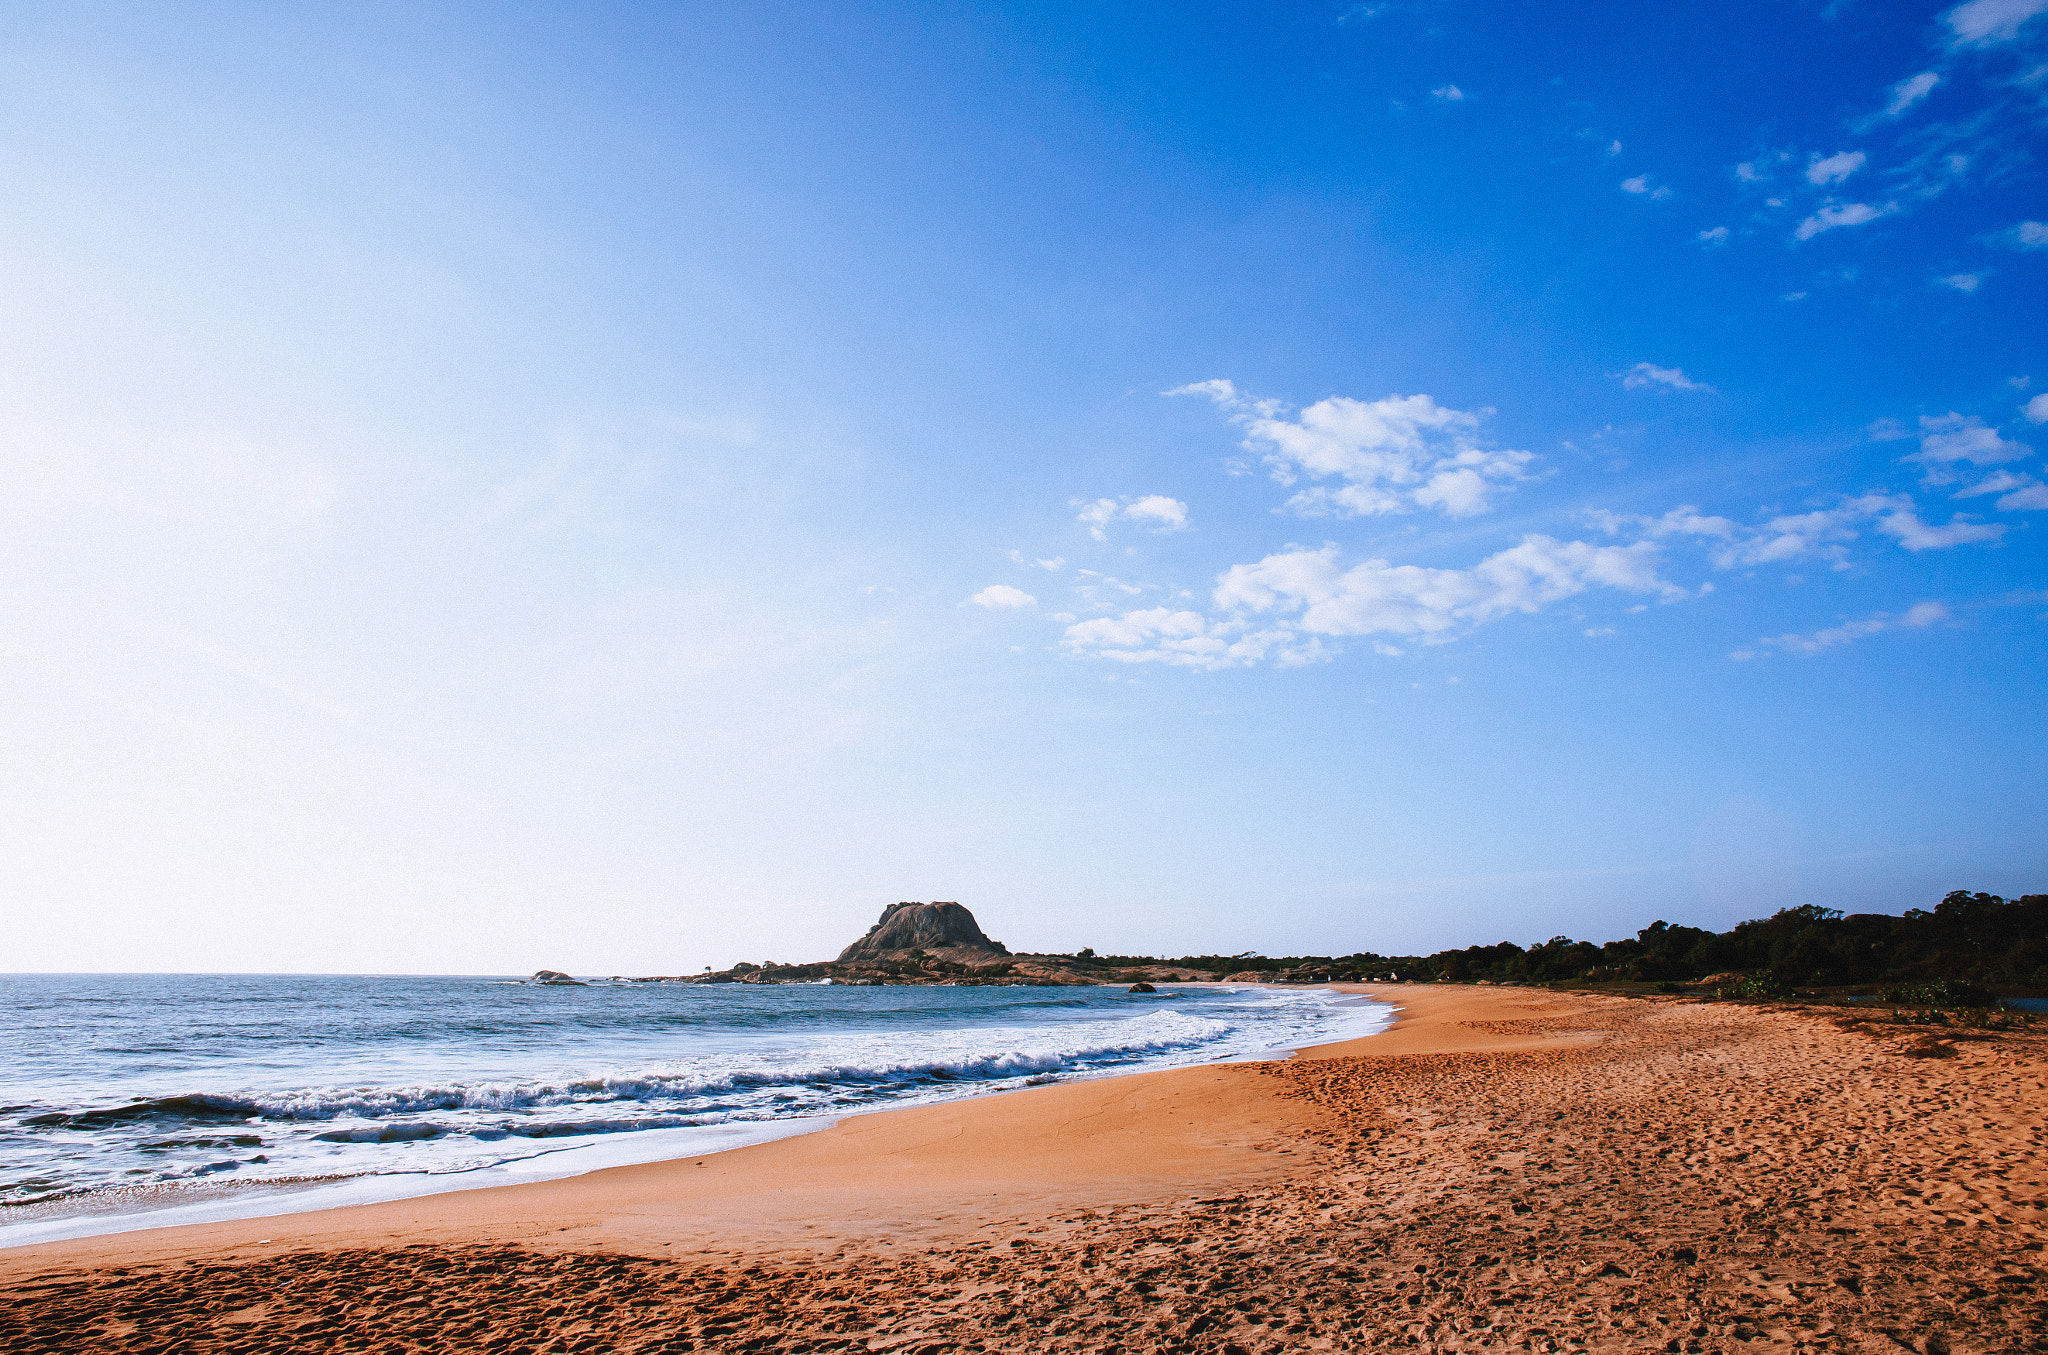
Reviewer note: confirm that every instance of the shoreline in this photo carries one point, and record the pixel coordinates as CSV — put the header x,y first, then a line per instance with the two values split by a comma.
x,y
1501,1169
1218,1105
260,1200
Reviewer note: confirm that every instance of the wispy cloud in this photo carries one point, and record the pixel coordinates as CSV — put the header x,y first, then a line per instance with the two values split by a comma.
x,y
1946,439
2020,491
1714,235
1286,606
1842,214
1909,92
2026,235
1962,282
1763,168
1919,616
1834,168
1986,23
1642,185
1394,455
1650,374
1448,94
1824,533
1002,595
1154,511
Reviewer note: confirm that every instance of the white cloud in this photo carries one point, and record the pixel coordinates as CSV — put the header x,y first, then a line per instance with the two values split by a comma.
x,y
1613,149
2021,492
1998,482
1896,516
1374,597
1649,374
1185,639
1717,235
1448,93
1641,184
1946,439
1285,606
1394,455
1155,511
1985,23
2036,409
1790,536
1919,615
2026,235
1843,214
1002,595
1785,537
1055,565
1962,282
1834,168
1910,91
1167,515
1098,515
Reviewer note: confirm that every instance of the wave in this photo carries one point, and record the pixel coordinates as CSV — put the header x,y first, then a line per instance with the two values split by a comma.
x,y
200,1108
869,1063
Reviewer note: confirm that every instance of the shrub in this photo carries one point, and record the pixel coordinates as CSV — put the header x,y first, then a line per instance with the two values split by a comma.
x,y
1941,994
1760,986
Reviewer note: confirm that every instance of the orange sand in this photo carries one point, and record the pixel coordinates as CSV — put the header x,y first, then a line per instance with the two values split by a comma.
x,y
1504,1168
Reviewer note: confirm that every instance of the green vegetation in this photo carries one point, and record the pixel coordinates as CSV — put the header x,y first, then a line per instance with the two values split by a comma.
x,y
1760,986
1941,993
1951,956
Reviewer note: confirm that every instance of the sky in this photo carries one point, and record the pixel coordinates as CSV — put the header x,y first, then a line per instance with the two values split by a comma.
x,y
631,488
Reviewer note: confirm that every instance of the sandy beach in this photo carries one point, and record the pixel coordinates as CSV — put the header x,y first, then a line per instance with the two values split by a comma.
x,y
1505,1168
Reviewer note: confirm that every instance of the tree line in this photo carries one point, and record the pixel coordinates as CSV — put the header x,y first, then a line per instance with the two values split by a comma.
x,y
1974,937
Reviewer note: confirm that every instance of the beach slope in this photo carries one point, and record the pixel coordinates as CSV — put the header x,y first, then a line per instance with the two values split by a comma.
x,y
1504,1168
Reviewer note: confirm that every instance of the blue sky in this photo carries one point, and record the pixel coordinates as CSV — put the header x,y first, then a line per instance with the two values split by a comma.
x,y
628,488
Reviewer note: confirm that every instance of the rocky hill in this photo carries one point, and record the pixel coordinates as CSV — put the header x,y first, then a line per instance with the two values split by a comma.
x,y
944,930
941,943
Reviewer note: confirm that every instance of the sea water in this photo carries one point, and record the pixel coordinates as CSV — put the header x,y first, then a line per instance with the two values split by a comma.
x,y
137,1100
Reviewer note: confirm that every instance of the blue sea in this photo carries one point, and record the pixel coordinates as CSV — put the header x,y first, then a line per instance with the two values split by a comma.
x,y
139,1100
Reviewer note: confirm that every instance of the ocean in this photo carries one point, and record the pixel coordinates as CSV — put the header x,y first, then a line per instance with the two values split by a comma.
x,y
133,1101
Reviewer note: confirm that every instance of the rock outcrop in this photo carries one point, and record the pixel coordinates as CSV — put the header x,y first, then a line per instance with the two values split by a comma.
x,y
945,930
556,978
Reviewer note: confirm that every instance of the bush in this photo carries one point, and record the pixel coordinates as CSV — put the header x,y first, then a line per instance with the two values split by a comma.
x,y
1941,994
1760,986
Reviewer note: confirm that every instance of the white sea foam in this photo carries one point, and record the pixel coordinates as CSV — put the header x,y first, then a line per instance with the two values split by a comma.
x,y
559,1082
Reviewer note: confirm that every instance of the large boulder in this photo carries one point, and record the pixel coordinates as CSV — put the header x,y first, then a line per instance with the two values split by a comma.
x,y
943,929
555,977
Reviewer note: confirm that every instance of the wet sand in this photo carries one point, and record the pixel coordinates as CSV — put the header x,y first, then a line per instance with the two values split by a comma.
x,y
1503,1169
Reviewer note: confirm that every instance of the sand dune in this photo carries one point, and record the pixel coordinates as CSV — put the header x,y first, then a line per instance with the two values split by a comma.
x,y
1505,1168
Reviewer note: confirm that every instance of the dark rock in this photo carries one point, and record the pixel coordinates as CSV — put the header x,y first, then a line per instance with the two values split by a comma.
x,y
944,928
1143,988
557,977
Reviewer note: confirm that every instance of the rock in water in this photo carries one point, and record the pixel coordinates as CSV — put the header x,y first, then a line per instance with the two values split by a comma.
x,y
943,929
1143,988
556,976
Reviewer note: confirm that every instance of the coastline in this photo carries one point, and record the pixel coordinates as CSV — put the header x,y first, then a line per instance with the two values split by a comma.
x,y
887,1174
1500,1166
150,1208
